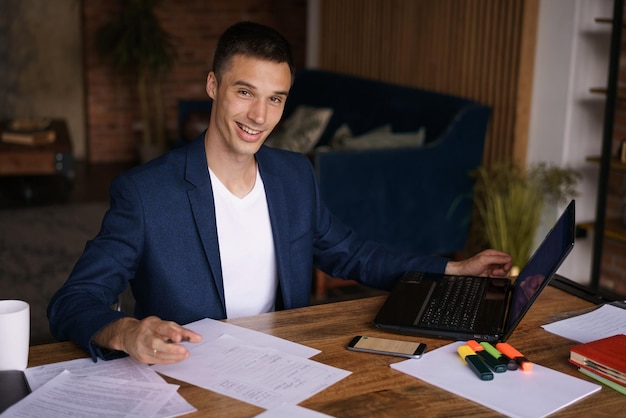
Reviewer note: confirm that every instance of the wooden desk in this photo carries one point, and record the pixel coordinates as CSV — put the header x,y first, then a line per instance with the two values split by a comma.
x,y
374,389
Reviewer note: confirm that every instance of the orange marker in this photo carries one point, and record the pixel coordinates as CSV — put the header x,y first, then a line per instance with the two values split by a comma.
x,y
473,344
512,353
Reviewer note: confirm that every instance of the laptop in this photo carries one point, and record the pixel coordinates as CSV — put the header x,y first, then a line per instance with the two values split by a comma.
x,y
475,308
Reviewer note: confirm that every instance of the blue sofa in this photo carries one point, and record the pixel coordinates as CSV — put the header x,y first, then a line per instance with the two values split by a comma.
x,y
416,199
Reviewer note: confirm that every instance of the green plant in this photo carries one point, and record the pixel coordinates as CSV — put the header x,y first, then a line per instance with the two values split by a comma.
x,y
134,41
510,201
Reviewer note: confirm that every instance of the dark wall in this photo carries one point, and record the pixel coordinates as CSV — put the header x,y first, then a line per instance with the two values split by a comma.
x,y
40,63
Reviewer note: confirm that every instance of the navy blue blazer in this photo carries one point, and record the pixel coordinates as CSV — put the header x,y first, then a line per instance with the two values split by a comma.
x,y
160,236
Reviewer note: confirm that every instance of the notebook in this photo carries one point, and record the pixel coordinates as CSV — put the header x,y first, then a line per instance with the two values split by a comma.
x,y
476,308
13,388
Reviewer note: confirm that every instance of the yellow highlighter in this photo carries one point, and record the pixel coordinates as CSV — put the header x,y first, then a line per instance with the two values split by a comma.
x,y
475,363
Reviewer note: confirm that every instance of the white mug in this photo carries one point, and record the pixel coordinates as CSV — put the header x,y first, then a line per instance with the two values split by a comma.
x,y
14,334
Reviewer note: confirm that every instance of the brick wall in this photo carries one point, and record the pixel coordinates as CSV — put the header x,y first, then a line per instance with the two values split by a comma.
x,y
112,107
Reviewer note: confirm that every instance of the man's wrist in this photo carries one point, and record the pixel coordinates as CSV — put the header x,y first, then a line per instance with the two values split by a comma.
x,y
111,337
452,268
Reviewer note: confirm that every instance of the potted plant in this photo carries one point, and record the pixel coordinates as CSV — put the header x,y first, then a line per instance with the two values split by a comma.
x,y
135,42
510,202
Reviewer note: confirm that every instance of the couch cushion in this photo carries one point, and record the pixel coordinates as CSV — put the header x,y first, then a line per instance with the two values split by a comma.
x,y
366,104
301,131
379,138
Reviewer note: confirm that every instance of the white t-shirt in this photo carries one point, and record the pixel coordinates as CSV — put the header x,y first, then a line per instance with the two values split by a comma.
x,y
246,249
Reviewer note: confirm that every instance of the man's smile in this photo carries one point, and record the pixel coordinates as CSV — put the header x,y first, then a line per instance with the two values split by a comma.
x,y
248,130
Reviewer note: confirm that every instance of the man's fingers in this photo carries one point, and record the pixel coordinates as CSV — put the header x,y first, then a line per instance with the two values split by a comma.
x,y
171,353
172,332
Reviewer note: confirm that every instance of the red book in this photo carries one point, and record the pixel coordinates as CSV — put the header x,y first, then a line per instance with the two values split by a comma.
x,y
605,357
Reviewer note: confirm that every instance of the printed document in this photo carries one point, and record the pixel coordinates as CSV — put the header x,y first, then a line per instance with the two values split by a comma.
x,y
123,368
600,323
211,329
70,394
261,376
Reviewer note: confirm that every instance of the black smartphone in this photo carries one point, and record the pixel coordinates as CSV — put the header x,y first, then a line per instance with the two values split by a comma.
x,y
388,347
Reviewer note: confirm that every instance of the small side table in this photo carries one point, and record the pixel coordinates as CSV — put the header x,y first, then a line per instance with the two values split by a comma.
x,y
55,159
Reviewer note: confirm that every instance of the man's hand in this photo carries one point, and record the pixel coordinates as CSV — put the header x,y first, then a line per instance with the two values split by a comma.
x,y
489,263
150,340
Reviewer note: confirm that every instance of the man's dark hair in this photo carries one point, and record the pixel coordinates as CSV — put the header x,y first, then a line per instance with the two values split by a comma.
x,y
251,40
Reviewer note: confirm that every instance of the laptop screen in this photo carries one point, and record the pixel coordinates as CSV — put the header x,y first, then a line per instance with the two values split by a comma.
x,y
542,266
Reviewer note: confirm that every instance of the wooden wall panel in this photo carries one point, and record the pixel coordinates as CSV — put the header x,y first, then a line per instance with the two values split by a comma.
x,y
479,49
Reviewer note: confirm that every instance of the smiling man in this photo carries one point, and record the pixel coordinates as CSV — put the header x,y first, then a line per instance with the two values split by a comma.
x,y
249,96
223,227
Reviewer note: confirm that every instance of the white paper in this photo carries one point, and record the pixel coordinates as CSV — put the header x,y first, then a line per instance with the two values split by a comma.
x,y
603,322
536,393
69,394
124,368
211,329
290,411
260,376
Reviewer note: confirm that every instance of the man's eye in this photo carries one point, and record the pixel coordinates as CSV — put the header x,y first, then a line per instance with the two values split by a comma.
x,y
244,92
276,100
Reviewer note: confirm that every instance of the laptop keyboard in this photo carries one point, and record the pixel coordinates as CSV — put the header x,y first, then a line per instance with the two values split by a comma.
x,y
455,303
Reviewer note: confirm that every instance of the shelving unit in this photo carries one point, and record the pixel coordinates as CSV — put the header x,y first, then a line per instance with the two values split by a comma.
x,y
621,92
602,227
614,163
613,229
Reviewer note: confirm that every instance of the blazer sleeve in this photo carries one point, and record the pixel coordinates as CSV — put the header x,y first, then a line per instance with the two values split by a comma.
x,y
82,306
339,252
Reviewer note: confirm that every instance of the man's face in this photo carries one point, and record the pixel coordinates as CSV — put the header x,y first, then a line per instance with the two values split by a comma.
x,y
247,103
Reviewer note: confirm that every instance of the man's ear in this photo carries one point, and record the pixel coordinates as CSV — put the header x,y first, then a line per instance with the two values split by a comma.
x,y
211,85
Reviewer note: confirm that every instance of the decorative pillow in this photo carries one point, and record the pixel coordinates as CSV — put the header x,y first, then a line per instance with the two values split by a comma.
x,y
381,137
302,130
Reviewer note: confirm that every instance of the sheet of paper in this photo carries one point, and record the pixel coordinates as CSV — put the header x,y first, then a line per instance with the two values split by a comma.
x,y
211,329
290,411
603,322
69,394
124,368
260,376
537,393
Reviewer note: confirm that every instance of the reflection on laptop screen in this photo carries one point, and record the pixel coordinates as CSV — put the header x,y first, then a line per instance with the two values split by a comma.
x,y
542,265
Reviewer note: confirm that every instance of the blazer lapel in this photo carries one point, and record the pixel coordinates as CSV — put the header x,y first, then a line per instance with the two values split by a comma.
x,y
203,209
277,207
